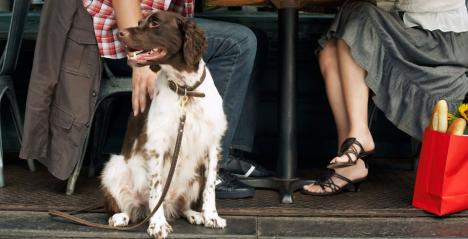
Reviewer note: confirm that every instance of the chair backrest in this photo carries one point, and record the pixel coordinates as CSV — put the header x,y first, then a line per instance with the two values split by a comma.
x,y
15,36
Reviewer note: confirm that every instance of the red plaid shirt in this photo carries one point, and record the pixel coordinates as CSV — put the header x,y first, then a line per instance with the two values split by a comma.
x,y
105,27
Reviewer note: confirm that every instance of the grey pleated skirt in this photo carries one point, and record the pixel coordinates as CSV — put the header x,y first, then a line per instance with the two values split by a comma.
x,y
408,69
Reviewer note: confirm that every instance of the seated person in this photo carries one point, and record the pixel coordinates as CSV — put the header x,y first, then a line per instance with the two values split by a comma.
x,y
408,59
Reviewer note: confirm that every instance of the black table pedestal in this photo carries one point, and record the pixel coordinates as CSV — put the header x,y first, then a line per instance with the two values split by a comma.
x,y
285,187
286,183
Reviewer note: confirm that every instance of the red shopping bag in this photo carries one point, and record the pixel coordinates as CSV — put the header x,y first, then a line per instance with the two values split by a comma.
x,y
442,176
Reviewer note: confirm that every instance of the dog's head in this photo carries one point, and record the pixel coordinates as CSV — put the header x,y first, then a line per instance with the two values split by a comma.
x,y
165,38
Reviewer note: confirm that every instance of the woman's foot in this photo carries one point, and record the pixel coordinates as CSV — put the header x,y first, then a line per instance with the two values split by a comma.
x,y
356,172
356,144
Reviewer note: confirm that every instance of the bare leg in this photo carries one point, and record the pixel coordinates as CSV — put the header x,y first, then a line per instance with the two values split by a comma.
x,y
354,96
329,67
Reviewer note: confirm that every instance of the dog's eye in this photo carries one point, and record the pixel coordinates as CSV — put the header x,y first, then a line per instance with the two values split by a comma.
x,y
153,24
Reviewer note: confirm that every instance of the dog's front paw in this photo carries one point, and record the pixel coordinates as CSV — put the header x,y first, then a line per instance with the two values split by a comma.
x,y
214,221
159,230
195,218
118,220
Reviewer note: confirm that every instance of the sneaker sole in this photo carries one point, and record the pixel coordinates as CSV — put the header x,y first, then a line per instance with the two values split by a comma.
x,y
234,195
250,177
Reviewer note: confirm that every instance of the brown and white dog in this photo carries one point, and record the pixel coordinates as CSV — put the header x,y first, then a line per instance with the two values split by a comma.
x,y
132,182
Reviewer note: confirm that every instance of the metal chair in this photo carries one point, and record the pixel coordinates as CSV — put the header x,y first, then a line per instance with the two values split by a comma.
x,y
8,62
111,86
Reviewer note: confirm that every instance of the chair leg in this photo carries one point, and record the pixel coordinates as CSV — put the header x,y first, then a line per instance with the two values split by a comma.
x,y
76,172
31,165
18,122
72,180
99,135
2,178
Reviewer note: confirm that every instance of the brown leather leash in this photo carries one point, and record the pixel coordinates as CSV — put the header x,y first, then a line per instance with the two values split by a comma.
x,y
75,219
175,156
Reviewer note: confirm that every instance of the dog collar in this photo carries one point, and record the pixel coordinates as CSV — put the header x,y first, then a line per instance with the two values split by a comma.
x,y
189,90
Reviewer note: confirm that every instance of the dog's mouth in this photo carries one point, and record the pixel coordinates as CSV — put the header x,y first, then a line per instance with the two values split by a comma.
x,y
143,56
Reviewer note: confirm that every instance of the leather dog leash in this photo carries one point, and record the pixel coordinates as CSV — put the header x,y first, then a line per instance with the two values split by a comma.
x,y
175,156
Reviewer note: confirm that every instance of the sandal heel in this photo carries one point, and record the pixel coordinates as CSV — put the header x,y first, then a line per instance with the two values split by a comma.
x,y
353,187
357,186
368,157
366,164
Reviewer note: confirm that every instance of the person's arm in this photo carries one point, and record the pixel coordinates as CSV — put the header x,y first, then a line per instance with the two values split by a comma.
x,y
127,14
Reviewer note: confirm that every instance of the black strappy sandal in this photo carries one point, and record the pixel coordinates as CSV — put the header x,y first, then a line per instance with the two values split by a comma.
x,y
352,185
348,148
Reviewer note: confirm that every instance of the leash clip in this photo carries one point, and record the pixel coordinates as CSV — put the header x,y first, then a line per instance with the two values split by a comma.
x,y
185,98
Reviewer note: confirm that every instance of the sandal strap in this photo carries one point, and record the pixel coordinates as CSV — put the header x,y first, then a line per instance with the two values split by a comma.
x,y
342,178
350,142
329,183
344,146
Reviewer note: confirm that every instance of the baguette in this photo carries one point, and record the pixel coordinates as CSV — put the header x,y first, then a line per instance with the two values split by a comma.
x,y
439,116
435,121
457,127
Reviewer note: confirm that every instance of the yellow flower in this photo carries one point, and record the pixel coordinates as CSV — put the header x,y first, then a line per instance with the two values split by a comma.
x,y
463,110
451,116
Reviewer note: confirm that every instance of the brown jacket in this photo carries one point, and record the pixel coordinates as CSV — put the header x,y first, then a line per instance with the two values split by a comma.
x,y
63,88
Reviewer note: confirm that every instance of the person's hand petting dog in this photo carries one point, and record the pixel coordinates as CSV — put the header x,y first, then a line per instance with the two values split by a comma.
x,y
143,78
143,85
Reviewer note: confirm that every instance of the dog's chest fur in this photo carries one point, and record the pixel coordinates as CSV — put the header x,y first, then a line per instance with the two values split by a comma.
x,y
205,125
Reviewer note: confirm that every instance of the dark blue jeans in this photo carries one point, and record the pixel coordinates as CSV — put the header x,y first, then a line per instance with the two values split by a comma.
x,y
230,57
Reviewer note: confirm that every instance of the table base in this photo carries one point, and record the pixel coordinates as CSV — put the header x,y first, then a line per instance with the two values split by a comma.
x,y
285,187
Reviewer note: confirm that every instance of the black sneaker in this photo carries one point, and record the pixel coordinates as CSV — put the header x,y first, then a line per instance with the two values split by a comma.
x,y
241,167
228,186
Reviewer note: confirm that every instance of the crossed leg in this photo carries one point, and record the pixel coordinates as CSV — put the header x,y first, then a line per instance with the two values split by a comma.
x,y
345,86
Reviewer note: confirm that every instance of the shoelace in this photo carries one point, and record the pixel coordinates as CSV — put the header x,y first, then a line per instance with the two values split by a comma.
x,y
226,177
249,162
244,160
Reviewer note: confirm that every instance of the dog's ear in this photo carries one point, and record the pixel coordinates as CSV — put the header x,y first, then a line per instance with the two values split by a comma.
x,y
194,43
